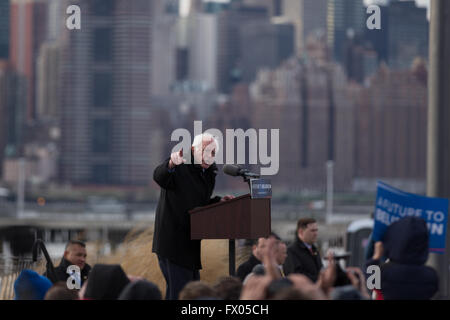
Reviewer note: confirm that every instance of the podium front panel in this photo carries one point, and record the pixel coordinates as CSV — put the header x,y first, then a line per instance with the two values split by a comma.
x,y
240,218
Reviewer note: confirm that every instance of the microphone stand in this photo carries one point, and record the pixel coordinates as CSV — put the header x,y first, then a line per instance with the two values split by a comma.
x,y
248,177
247,180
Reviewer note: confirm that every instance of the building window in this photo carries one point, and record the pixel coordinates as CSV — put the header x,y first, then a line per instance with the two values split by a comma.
x,y
182,63
100,174
102,7
102,89
102,44
101,135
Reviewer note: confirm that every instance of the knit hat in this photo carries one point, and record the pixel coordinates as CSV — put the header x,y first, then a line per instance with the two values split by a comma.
x,y
31,286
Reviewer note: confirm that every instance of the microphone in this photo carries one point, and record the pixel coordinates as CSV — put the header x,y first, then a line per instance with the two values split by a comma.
x,y
236,171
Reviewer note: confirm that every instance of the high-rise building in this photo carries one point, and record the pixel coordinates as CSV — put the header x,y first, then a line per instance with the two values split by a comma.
x,y
407,33
377,39
12,111
360,60
106,94
308,16
403,35
4,28
211,6
230,25
378,131
274,7
48,82
265,45
203,50
164,48
56,21
391,130
346,19
28,32
309,104
3,110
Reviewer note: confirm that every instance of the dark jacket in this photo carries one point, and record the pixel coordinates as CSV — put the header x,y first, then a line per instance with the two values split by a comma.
x,y
61,271
106,282
186,188
245,268
140,290
405,276
300,260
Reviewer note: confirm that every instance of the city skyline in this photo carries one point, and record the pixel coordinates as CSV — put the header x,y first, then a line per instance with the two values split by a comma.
x,y
114,123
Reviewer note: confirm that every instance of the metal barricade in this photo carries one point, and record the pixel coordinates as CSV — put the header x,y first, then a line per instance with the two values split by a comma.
x,y
11,267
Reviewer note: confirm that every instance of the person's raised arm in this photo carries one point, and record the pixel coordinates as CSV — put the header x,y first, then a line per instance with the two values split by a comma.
x,y
269,258
164,173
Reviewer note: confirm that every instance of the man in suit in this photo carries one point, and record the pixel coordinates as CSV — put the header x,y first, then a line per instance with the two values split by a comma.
x,y
184,186
302,255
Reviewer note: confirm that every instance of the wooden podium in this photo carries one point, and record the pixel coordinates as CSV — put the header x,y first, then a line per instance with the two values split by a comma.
x,y
239,218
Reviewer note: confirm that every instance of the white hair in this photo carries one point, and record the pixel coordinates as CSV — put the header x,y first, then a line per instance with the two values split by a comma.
x,y
198,141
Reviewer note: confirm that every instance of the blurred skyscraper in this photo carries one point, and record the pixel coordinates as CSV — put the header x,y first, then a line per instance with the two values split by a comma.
x,y
378,38
407,33
12,111
202,39
211,6
391,131
360,60
345,19
274,7
165,17
216,43
56,21
265,44
106,91
308,16
296,97
4,28
230,25
28,31
48,82
3,111
379,129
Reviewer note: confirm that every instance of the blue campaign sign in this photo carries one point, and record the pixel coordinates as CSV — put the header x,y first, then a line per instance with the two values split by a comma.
x,y
393,204
260,188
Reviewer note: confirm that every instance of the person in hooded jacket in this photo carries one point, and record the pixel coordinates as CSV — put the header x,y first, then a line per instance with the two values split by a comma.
x,y
105,282
404,276
183,187
141,290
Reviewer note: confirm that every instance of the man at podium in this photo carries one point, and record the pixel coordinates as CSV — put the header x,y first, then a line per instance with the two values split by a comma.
x,y
184,186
